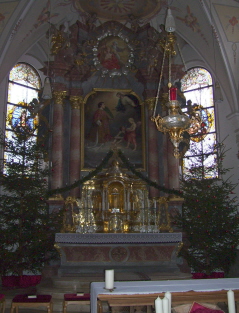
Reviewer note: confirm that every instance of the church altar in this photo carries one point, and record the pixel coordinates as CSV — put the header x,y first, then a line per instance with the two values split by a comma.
x,y
142,252
115,224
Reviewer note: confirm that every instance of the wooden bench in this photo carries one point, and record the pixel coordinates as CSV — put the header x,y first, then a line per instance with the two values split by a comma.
x,y
26,301
74,299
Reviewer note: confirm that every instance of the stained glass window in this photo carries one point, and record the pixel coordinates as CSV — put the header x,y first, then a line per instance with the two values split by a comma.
x,y
23,87
197,88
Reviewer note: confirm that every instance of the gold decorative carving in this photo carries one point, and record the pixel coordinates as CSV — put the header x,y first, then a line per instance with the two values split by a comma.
x,y
164,218
150,102
180,245
115,201
57,197
59,96
70,214
76,102
58,248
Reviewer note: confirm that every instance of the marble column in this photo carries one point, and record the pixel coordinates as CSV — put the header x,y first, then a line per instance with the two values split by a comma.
x,y
57,140
173,167
153,149
75,139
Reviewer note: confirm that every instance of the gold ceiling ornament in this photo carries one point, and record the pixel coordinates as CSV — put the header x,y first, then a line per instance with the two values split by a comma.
x,y
175,123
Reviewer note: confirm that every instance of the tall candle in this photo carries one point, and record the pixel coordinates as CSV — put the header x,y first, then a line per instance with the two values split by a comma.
x,y
173,93
109,279
169,296
231,301
158,305
165,305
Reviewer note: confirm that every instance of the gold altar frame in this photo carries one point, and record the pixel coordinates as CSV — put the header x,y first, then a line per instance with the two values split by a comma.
x,y
92,153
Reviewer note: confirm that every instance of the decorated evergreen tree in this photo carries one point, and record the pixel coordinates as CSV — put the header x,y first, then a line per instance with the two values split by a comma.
x,y
209,216
27,229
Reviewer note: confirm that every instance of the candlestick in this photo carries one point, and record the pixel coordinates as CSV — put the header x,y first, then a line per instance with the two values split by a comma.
x,y
158,305
169,297
109,279
173,93
231,301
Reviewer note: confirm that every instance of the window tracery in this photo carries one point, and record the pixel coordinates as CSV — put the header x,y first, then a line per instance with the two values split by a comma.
x,y
23,87
197,87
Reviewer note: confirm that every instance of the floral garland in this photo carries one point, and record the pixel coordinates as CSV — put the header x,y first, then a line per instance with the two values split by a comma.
x,y
103,164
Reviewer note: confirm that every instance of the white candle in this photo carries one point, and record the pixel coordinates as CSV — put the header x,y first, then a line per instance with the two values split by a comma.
x,y
231,302
158,305
109,279
169,296
165,305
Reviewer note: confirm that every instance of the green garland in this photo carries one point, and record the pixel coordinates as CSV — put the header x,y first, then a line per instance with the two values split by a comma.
x,y
84,179
103,164
131,168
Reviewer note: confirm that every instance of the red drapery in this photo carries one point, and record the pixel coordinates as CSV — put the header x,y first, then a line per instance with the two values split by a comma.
x,y
20,281
212,275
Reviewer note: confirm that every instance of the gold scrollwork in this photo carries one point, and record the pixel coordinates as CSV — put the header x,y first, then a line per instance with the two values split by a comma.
x,y
70,207
58,248
76,102
150,102
59,96
164,218
180,245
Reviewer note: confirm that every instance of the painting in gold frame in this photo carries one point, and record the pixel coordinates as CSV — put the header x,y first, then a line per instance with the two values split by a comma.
x,y
109,118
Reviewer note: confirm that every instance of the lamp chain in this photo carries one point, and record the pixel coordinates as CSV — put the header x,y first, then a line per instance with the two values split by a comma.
x,y
169,69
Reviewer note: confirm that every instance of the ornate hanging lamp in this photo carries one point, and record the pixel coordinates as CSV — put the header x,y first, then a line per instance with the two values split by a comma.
x,y
176,122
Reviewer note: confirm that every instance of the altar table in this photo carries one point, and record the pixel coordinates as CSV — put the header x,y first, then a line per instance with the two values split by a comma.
x,y
140,252
145,292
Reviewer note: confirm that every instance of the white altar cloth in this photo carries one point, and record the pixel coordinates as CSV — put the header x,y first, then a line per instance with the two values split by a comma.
x,y
147,287
120,238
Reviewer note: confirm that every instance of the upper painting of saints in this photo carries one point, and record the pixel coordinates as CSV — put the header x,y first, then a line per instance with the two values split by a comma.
x,y
112,118
113,53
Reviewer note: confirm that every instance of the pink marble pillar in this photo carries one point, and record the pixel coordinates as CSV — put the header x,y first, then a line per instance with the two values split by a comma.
x,y
173,166
75,158
153,150
57,140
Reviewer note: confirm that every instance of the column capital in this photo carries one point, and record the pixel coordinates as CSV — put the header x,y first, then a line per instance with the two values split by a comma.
x,y
59,96
150,103
76,102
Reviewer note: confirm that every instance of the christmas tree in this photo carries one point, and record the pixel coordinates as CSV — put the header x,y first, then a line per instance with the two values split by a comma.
x,y
27,229
209,216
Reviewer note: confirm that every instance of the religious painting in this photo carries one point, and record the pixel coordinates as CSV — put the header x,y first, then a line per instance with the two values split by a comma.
x,y
112,118
113,55
113,52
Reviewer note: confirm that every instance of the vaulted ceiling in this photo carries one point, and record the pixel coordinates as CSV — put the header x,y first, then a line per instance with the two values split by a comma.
x,y
207,30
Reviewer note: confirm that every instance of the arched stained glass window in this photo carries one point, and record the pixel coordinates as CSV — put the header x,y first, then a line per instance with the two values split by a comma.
x,y
197,88
23,87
